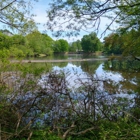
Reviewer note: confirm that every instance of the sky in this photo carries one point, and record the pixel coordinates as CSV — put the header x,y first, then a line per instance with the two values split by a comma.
x,y
39,10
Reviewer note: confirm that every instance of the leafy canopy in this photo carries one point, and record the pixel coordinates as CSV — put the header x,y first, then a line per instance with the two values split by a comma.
x,y
61,45
16,14
90,43
79,15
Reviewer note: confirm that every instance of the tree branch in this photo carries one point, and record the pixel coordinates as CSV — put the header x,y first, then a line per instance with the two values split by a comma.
x,y
83,132
8,5
66,133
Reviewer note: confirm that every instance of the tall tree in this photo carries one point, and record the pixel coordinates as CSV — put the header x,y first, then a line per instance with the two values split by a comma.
x,y
90,43
75,46
47,44
40,43
61,45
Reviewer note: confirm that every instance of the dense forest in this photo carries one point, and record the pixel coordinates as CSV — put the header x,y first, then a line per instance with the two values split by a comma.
x,y
38,103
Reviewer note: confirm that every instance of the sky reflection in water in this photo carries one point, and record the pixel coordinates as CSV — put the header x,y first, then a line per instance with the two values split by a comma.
x,y
76,72
100,73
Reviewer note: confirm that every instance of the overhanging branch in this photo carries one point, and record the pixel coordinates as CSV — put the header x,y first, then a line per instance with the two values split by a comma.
x,y
8,5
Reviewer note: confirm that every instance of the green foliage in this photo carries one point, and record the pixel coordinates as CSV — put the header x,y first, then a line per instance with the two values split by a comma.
x,y
131,43
61,45
129,17
113,44
4,57
40,43
34,43
18,40
107,130
5,41
15,52
48,45
4,54
44,135
126,43
90,43
75,46
17,15
119,130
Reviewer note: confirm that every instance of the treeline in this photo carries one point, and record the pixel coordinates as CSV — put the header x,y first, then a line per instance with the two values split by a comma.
x,y
36,43
89,44
32,44
122,42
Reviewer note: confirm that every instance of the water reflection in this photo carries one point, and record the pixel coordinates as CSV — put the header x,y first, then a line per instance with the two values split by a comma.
x,y
129,70
116,77
68,56
119,81
90,91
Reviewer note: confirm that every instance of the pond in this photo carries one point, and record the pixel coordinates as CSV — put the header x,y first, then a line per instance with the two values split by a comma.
x,y
122,76
55,94
106,83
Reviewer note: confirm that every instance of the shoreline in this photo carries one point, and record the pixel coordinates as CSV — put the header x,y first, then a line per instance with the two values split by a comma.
x,y
49,61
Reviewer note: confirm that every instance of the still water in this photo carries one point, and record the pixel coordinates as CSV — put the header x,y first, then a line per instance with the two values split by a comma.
x,y
111,79
69,57
122,76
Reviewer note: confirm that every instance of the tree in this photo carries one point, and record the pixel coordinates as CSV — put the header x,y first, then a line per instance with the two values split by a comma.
x,y
18,40
40,43
86,14
5,41
129,18
6,32
131,43
34,41
90,43
61,45
16,14
126,43
113,44
75,46
48,42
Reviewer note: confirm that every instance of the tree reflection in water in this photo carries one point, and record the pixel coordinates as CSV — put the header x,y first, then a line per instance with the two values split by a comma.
x,y
70,101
